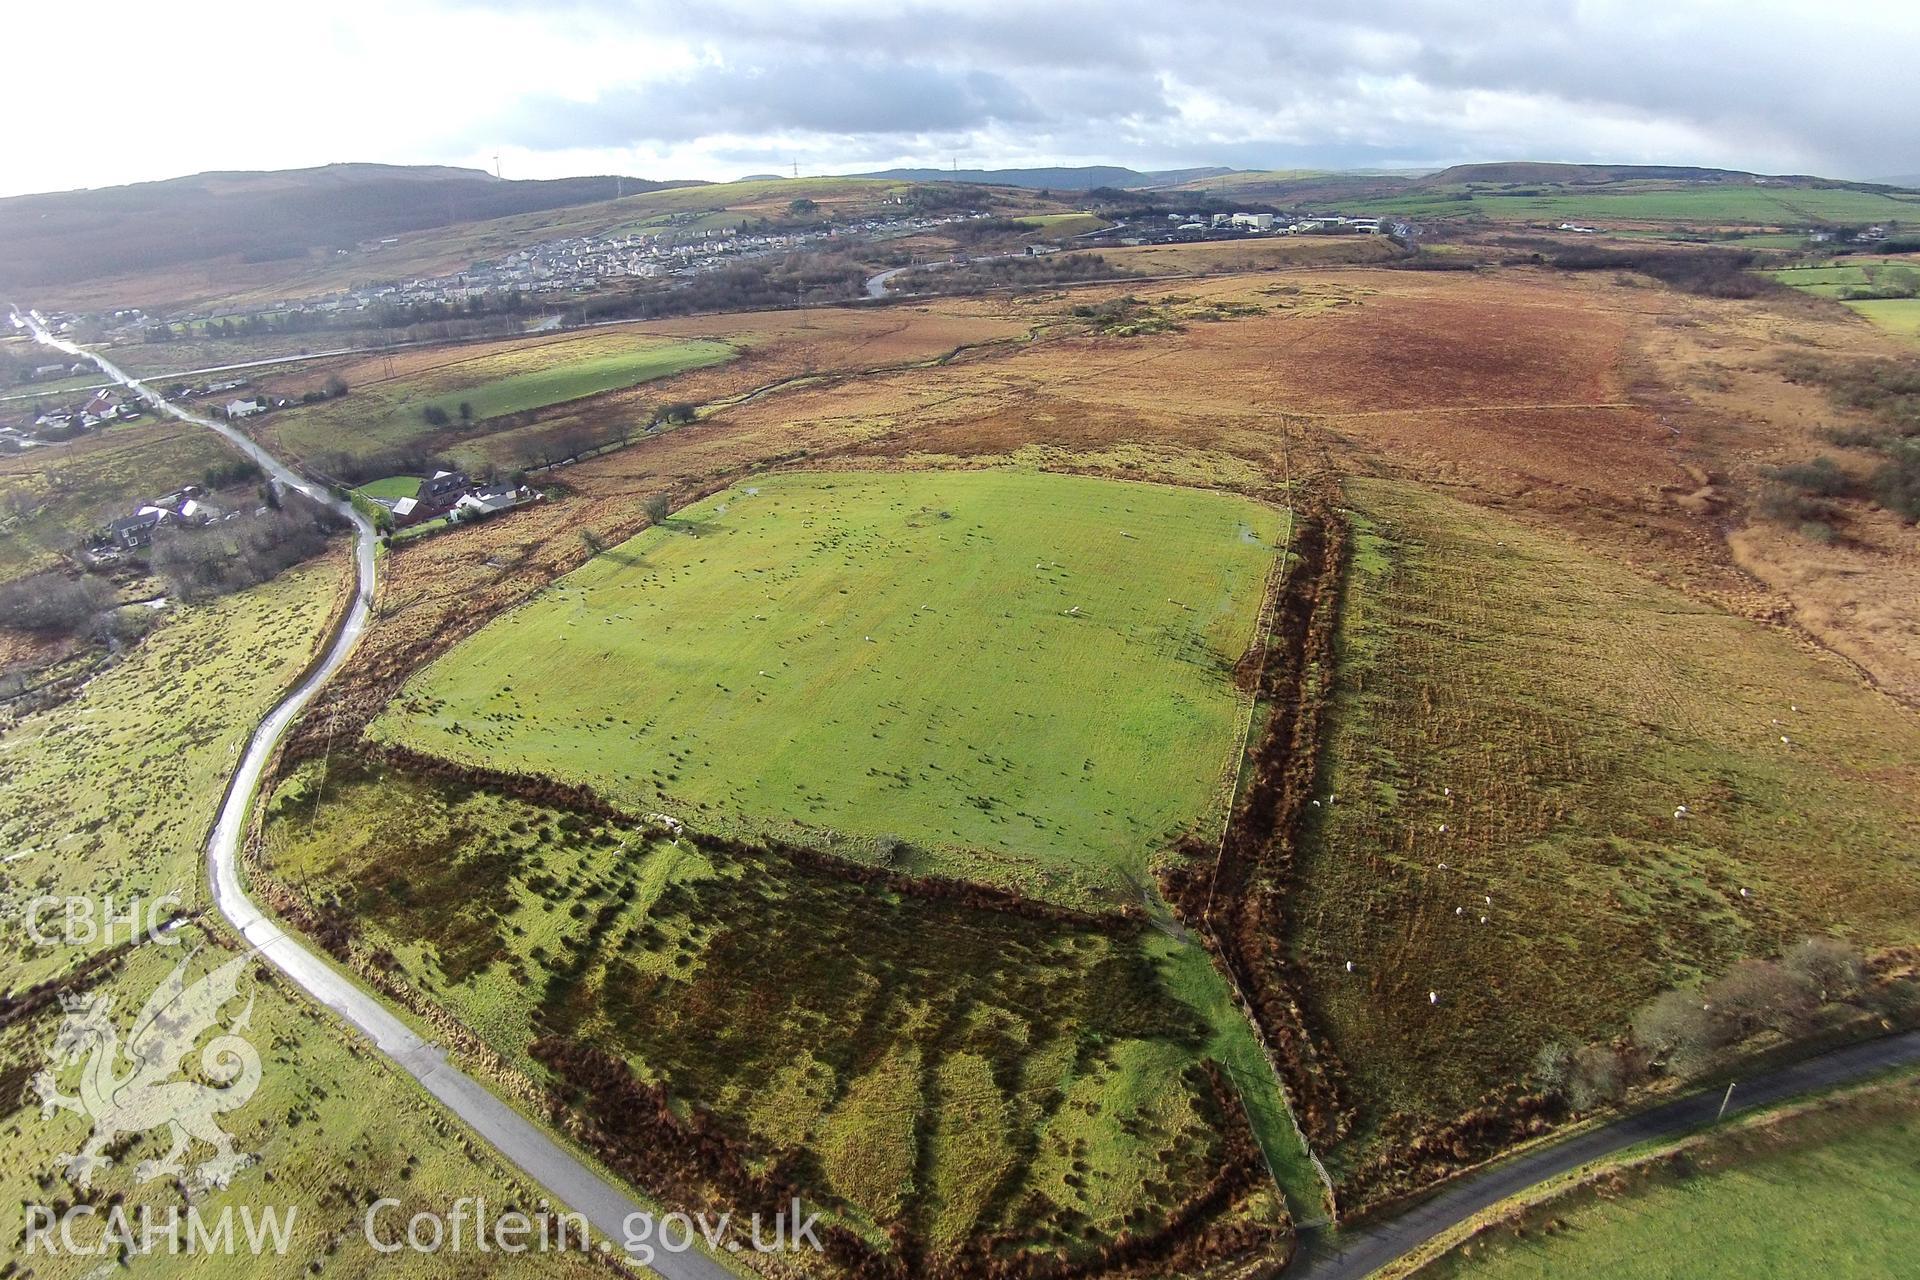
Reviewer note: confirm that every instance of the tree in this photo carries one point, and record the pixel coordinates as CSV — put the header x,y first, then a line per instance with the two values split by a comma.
x,y
1551,1067
1760,995
466,411
1835,969
1597,1075
435,416
1677,1029
658,507
335,387
802,207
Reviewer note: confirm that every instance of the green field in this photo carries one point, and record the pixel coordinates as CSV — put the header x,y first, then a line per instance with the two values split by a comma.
x,y
1517,719
577,378
1825,282
386,415
391,487
1063,224
1650,202
1012,672
1830,1192
112,792
919,1064
1896,315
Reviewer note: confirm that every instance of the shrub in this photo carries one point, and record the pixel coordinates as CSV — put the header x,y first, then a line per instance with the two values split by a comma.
x,y
1677,1030
1896,484
1821,477
1833,968
1759,995
1596,1076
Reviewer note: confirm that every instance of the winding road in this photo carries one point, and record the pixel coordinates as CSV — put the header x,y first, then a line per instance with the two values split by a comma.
x,y
1360,1251
611,1211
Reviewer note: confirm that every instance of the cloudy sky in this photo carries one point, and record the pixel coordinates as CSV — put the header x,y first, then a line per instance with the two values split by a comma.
x,y
722,88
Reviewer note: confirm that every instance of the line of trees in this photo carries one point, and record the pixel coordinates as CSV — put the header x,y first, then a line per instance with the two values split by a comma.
x,y
1688,1032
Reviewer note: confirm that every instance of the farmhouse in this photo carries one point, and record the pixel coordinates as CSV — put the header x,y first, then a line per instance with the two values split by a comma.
x,y
135,530
490,501
245,408
443,488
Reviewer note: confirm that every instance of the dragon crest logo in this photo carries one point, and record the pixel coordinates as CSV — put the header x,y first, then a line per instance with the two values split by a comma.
x,y
139,1086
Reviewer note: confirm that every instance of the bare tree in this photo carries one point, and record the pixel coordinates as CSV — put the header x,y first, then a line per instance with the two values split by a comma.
x,y
1678,1030
1759,994
1835,969
1597,1075
658,507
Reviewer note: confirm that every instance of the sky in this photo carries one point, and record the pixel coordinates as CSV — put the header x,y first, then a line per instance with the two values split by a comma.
x,y
719,89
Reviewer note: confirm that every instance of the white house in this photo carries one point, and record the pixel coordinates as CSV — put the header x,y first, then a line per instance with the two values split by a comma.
x,y
244,408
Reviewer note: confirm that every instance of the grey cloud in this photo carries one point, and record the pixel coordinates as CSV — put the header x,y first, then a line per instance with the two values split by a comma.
x,y
1769,84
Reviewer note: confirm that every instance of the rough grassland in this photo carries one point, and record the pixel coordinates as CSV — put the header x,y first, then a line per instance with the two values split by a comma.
x,y
1517,720
1828,1192
113,791
332,1126
925,1063
497,382
1036,666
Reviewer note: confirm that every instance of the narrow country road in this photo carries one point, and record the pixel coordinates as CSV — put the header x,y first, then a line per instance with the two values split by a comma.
x,y
1359,1252
569,1181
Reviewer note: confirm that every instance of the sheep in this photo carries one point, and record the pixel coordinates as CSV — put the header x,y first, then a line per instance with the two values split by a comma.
x,y
1433,997
1349,966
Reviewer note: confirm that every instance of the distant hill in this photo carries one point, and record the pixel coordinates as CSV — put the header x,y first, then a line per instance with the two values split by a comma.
x,y
80,235
1580,175
1074,178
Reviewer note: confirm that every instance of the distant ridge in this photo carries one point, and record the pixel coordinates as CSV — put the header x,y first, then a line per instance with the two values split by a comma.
x,y
262,216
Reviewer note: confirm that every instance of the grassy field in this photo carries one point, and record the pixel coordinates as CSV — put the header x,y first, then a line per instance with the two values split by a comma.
x,y
1025,674
1896,315
331,1128
1515,721
1652,202
494,382
391,487
1828,1191
112,792
920,1064
1063,224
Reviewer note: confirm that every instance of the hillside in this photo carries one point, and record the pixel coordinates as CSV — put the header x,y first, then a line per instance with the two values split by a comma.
x,y
261,217
253,239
